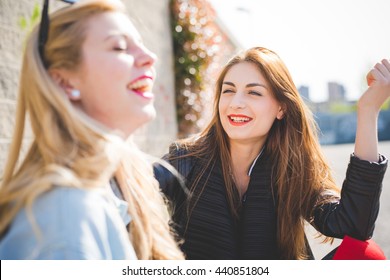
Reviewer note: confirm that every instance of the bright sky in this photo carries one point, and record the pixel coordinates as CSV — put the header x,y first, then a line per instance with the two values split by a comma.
x,y
320,41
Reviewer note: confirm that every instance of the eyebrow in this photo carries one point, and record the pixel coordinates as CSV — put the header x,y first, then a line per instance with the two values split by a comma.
x,y
113,35
248,85
122,35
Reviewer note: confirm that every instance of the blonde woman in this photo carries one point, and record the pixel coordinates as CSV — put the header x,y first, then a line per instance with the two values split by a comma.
x,y
83,190
256,172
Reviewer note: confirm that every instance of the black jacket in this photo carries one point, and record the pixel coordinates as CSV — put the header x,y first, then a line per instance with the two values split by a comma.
x,y
212,233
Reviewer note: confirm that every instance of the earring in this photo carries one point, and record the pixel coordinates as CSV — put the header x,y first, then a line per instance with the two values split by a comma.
x,y
75,93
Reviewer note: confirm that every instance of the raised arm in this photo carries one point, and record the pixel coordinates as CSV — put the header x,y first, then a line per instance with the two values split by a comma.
x,y
378,79
356,213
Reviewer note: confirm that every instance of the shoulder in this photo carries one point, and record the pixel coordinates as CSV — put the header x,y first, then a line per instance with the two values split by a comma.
x,y
68,223
173,172
185,147
70,205
181,157
177,149
62,204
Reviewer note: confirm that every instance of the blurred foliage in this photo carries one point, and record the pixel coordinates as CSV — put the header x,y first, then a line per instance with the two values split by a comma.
x,y
26,24
195,44
338,107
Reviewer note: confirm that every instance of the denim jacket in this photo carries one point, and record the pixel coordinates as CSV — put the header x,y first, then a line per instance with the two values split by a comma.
x,y
70,223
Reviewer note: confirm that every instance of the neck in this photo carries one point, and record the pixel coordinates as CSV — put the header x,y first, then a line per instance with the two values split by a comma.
x,y
242,157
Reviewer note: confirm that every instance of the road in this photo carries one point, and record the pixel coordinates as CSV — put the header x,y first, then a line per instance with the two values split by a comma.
x,y
338,157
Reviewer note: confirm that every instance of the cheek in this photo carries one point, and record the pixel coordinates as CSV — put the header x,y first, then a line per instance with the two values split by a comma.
x,y
108,66
109,70
223,104
271,107
221,110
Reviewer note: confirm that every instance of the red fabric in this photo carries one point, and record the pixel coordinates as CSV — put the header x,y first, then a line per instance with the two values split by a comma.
x,y
353,249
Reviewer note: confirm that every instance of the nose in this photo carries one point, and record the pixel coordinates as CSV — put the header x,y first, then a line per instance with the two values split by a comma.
x,y
237,102
145,57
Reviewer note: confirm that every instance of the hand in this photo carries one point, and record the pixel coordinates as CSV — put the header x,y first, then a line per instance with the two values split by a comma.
x,y
369,104
378,80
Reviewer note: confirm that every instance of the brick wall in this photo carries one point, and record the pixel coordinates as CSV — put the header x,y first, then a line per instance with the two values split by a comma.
x,y
152,20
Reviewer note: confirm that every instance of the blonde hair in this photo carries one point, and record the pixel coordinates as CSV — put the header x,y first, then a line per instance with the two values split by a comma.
x,y
301,175
70,149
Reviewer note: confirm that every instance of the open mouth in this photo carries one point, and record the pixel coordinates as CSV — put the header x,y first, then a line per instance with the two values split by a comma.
x,y
142,87
239,119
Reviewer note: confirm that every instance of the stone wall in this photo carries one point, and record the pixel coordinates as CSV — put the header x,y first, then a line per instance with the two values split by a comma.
x,y
152,20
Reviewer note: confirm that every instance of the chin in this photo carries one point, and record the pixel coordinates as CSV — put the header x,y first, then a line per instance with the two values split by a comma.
x,y
149,112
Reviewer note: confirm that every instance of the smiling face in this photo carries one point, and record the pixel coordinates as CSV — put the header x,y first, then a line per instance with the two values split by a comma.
x,y
116,75
247,107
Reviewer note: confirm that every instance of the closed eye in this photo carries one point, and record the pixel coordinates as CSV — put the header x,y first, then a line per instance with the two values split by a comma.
x,y
120,49
121,45
227,90
252,92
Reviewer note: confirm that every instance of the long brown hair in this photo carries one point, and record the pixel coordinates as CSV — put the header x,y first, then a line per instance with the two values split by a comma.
x,y
70,149
299,171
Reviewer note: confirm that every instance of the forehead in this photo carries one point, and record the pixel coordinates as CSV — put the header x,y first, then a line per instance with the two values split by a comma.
x,y
100,26
245,72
